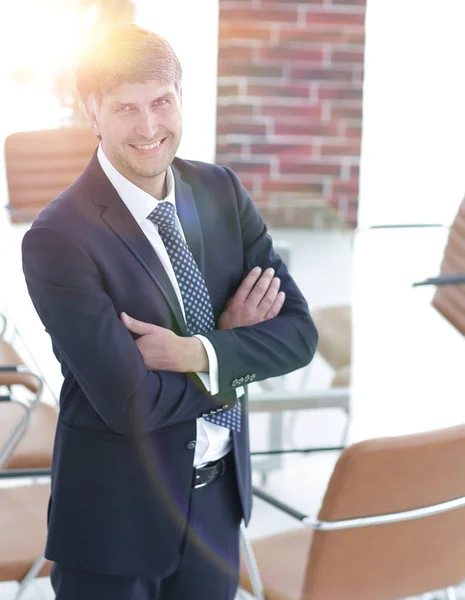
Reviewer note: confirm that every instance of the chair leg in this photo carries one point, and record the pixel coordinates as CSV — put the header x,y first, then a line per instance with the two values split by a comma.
x,y
32,574
346,431
252,566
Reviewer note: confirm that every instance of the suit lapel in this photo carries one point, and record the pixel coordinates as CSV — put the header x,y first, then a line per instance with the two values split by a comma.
x,y
189,218
118,217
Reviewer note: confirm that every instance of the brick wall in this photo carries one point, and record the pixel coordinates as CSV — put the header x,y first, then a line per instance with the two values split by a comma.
x,y
290,104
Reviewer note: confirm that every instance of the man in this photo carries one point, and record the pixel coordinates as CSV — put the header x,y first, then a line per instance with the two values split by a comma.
x,y
158,284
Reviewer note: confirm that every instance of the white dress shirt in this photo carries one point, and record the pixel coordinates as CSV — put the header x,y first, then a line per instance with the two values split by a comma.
x,y
213,441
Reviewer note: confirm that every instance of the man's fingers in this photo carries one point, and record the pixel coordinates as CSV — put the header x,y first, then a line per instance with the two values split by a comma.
x,y
247,285
270,296
277,306
261,288
138,327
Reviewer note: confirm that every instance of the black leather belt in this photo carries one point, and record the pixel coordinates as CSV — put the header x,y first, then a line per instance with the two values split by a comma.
x,y
211,471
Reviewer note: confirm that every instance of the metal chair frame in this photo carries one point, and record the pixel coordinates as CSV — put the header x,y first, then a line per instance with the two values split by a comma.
x,y
317,524
20,429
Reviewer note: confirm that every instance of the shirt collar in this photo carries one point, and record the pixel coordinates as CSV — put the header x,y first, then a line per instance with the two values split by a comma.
x,y
139,203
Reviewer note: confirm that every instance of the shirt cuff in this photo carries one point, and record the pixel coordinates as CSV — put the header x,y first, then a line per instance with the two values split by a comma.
x,y
210,379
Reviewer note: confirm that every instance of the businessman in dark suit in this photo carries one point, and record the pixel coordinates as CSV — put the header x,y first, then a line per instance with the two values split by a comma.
x,y
163,297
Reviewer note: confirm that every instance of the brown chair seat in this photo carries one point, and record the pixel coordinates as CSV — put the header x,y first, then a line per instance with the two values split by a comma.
x,y
35,449
283,579
9,356
23,526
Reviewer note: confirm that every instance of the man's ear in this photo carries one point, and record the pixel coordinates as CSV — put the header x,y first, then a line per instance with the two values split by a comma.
x,y
179,90
92,113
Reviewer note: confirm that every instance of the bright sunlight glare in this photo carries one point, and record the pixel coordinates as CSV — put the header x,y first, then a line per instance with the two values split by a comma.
x,y
38,40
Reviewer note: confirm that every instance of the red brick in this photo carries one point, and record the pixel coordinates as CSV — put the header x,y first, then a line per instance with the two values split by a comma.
x,y
350,56
293,90
292,186
288,2
348,149
343,3
282,150
287,34
285,113
290,168
285,53
354,171
345,187
306,129
249,70
241,129
236,54
348,112
311,74
354,37
234,110
228,31
251,13
229,149
228,89
335,18
343,92
250,167
354,132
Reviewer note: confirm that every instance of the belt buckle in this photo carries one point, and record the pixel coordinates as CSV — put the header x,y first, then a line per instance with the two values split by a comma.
x,y
201,485
213,475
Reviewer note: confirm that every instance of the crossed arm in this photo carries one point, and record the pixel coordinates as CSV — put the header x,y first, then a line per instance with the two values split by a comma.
x,y
257,299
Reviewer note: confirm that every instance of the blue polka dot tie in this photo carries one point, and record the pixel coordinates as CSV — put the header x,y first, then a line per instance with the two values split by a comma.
x,y
195,296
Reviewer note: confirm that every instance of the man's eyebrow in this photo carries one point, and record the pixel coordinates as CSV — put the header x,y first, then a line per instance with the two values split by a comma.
x,y
121,103
164,96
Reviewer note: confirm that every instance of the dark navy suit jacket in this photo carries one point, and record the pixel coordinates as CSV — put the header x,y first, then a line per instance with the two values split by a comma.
x,y
124,447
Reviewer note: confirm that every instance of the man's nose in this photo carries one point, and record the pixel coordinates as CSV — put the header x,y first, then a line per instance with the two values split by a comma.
x,y
146,125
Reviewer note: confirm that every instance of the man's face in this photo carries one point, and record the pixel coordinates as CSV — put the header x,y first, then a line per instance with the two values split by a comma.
x,y
140,125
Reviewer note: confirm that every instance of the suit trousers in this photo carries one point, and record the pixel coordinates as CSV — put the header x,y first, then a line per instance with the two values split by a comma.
x,y
208,563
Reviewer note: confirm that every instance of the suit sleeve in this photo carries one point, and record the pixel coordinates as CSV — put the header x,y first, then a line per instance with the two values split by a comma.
x,y
69,296
274,347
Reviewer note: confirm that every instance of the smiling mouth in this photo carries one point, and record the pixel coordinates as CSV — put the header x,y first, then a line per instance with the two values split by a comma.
x,y
152,146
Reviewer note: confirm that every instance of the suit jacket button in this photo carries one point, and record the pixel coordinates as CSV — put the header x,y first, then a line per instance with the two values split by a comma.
x,y
241,381
191,445
225,406
252,377
247,379
235,383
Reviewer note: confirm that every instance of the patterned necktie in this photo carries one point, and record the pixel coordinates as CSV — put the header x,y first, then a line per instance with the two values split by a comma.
x,y
195,296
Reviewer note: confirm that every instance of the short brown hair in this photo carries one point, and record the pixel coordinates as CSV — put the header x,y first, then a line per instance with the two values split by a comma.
x,y
127,54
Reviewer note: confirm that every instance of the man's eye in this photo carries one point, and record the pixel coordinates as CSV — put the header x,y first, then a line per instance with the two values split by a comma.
x,y
123,109
161,102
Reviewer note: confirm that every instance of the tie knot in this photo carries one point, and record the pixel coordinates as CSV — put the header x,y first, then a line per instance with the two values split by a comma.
x,y
163,215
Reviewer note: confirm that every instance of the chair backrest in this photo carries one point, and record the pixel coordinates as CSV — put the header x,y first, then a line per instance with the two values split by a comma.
x,y
396,560
449,300
334,325
41,164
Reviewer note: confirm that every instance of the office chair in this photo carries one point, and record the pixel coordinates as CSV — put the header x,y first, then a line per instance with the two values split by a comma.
x,y
41,164
27,425
23,517
449,298
391,525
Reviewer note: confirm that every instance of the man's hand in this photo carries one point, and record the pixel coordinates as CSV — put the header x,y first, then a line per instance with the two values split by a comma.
x,y
163,350
257,299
